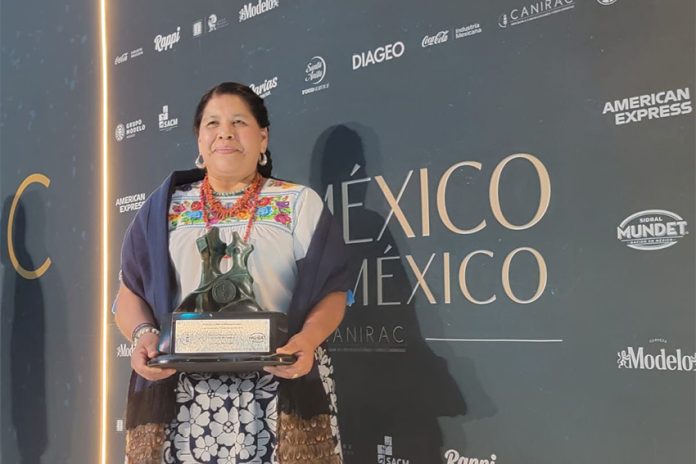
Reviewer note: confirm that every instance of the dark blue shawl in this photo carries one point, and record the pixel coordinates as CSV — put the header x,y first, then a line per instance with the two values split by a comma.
x,y
147,271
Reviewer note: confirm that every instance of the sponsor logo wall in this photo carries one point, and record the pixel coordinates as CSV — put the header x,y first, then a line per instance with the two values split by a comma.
x,y
499,176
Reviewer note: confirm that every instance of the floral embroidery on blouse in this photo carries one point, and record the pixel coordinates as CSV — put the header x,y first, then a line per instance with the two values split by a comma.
x,y
271,208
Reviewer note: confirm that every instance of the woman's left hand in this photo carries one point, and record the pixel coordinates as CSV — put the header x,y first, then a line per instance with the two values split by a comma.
x,y
303,349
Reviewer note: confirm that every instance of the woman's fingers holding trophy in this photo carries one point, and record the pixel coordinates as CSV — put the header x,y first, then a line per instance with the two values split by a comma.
x,y
145,350
303,351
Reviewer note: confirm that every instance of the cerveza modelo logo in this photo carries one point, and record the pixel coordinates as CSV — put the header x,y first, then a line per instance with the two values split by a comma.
x,y
378,55
250,10
637,358
653,229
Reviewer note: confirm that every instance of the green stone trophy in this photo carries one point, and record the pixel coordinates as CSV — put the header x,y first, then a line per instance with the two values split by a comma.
x,y
220,327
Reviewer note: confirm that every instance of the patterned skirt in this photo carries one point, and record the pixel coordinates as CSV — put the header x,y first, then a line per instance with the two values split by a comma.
x,y
232,419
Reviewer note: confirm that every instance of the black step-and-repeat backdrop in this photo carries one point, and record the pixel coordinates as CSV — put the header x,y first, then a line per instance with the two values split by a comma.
x,y
515,181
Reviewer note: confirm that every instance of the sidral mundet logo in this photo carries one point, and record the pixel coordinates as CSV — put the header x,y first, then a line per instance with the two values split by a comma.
x,y
454,457
663,360
653,229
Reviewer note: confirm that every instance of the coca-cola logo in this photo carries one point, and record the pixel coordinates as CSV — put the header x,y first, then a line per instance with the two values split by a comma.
x,y
166,42
121,58
439,38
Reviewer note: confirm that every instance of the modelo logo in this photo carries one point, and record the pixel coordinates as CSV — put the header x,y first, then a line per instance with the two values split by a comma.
x,y
440,37
378,55
653,229
250,10
453,457
163,43
257,337
267,85
121,59
637,359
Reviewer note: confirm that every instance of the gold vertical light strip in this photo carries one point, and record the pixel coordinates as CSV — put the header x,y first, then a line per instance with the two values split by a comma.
x,y
105,237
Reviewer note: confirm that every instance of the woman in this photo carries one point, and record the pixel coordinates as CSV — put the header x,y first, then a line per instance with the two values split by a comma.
x,y
286,414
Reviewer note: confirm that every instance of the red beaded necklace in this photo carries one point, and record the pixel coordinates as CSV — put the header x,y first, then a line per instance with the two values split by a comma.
x,y
247,203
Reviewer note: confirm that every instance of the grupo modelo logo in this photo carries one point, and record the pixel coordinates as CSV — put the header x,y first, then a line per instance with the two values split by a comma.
x,y
164,122
659,360
264,89
128,130
439,38
378,55
166,42
536,10
453,456
655,105
251,10
315,73
653,229
385,453
120,132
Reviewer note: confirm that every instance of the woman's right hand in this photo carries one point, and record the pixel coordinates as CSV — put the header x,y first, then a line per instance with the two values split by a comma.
x,y
145,350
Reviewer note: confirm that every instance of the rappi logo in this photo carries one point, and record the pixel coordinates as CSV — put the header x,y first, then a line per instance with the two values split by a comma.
x,y
378,55
454,457
166,42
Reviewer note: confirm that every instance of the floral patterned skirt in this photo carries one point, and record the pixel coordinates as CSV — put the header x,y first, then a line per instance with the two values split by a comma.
x,y
232,419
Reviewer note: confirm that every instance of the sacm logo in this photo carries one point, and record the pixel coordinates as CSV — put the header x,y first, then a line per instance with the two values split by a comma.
x,y
653,229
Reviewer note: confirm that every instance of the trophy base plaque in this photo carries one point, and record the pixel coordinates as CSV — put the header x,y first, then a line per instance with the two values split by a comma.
x,y
223,342
220,362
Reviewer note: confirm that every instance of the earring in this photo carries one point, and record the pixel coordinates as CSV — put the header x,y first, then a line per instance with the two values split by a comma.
x,y
200,163
264,159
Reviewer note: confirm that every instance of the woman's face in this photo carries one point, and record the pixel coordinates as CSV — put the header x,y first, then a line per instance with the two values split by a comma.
x,y
229,138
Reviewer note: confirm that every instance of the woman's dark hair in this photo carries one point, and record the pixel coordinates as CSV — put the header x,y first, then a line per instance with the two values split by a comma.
x,y
254,102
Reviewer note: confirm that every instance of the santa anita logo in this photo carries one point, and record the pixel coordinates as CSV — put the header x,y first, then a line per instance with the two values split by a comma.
x,y
536,10
664,360
264,89
166,42
653,229
315,73
454,457
250,10
385,453
378,55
